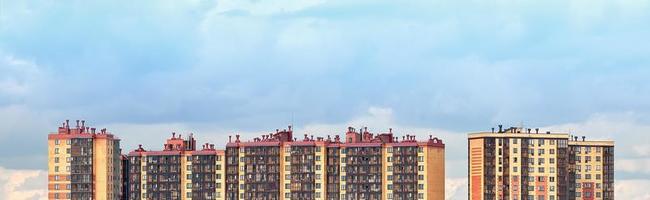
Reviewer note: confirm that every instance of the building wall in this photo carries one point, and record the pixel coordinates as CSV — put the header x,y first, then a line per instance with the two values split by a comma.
x,y
62,174
590,169
516,165
434,186
476,152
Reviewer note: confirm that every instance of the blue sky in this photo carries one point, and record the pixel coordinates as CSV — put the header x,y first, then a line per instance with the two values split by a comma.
x,y
144,69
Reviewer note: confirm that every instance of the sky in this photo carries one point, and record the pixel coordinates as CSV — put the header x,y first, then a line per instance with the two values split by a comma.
x,y
144,69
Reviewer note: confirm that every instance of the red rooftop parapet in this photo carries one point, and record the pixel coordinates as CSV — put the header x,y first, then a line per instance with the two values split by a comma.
x,y
79,131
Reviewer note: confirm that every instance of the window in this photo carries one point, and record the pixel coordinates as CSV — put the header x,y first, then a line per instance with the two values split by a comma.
x,y
56,142
421,158
56,151
390,159
514,169
514,150
390,186
56,159
514,141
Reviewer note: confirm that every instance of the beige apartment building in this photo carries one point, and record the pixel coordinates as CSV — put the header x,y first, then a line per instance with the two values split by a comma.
x,y
83,164
525,164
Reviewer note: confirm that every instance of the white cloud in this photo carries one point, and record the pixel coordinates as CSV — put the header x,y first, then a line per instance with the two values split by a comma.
x,y
17,76
632,189
455,188
23,184
635,166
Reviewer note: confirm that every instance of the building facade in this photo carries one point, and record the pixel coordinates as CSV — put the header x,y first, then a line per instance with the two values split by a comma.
x,y
178,171
524,164
83,163
591,169
279,166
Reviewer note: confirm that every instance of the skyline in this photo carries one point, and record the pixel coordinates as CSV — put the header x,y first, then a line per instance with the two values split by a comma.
x,y
444,68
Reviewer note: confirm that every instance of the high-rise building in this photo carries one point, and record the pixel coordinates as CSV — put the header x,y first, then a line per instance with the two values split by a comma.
x,y
178,171
83,163
277,166
591,169
522,164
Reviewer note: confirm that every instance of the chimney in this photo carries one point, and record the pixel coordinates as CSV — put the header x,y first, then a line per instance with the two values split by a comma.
x,y
237,136
211,146
492,129
77,123
289,127
536,130
500,128
173,134
92,130
230,138
83,123
528,131
390,130
430,136
575,138
583,138
67,123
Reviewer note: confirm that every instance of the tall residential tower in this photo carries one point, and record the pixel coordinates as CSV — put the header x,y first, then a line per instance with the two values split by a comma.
x,y
83,164
524,164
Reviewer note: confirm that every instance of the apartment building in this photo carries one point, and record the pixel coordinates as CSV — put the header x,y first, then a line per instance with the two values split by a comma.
x,y
591,169
363,166
525,164
178,171
278,166
83,163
